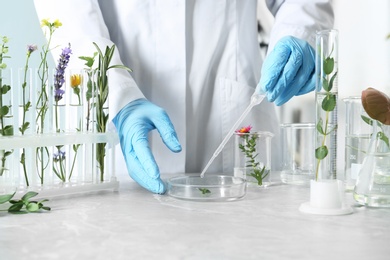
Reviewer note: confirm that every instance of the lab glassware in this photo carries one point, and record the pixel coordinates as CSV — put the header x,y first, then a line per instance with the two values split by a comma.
x,y
297,146
252,157
7,127
373,182
357,137
326,97
207,188
326,192
256,99
37,157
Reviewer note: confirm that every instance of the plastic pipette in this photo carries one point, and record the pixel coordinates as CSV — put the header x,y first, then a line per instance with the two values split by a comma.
x,y
255,100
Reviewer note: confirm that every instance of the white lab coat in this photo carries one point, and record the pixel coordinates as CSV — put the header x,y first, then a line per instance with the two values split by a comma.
x,y
197,59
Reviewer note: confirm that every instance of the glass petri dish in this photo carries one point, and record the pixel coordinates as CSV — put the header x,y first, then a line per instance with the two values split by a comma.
x,y
208,188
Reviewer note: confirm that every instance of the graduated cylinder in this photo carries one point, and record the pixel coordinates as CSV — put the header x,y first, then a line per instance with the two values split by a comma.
x,y
326,104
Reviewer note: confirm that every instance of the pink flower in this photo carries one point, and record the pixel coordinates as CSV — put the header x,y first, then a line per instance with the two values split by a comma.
x,y
244,130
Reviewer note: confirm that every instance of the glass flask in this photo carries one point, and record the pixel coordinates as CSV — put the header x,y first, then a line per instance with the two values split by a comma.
x,y
252,157
373,183
357,138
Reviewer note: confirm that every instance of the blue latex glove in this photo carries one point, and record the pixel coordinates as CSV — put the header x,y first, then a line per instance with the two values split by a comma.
x,y
133,123
288,70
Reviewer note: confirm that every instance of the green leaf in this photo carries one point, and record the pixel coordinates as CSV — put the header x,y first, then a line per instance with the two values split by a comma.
x,y
24,127
328,65
27,106
204,190
321,152
382,136
331,81
319,127
367,119
4,110
22,158
29,195
6,197
76,147
32,207
16,207
120,67
329,102
5,89
89,60
8,130
325,84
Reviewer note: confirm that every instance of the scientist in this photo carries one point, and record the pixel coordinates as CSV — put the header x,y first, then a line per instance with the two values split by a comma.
x,y
197,61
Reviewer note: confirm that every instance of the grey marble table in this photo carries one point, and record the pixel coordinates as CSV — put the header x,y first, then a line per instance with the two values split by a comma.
x,y
135,224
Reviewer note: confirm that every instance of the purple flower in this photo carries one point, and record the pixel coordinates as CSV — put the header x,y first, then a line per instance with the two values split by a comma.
x,y
59,156
58,93
31,48
59,78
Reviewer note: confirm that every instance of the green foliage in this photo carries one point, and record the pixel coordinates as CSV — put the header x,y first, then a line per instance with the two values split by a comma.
x,y
26,107
102,95
329,102
249,149
328,105
321,152
5,130
25,204
91,85
204,191
381,134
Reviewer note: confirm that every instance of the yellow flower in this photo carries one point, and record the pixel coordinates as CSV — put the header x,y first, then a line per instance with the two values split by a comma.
x,y
45,22
75,80
57,23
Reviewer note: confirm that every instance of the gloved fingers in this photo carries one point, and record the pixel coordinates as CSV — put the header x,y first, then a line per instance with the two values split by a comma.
x,y
141,149
273,68
290,71
308,86
167,132
138,174
303,83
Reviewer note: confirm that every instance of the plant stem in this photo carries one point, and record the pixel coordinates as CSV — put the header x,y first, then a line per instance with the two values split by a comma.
x,y
323,142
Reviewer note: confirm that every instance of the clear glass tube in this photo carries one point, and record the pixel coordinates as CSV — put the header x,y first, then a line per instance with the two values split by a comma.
x,y
326,104
7,124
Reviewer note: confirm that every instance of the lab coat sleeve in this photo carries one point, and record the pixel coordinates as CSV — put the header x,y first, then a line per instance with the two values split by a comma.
x,y
300,18
274,5
83,24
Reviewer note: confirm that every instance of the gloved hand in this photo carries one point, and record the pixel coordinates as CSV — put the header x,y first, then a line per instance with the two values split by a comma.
x,y
288,70
133,123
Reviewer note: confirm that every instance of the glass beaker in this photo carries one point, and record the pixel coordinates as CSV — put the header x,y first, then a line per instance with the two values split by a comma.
x,y
373,183
357,138
252,157
298,144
